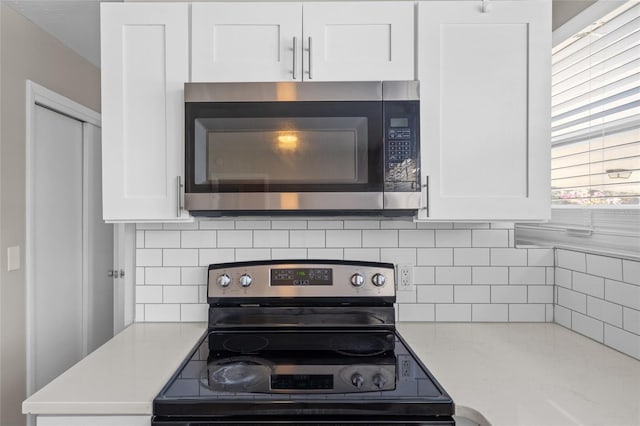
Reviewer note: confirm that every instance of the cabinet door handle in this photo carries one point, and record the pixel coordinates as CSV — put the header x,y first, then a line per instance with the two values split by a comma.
x,y
295,57
179,199
309,46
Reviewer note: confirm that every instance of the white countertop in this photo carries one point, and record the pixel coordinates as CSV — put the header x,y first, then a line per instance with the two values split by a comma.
x,y
123,376
513,374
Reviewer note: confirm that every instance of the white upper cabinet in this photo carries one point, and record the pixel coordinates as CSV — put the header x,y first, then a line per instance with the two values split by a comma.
x,y
145,63
246,41
485,109
332,41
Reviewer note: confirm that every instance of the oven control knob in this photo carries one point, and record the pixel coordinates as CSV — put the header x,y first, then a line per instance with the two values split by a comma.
x,y
245,280
378,280
357,280
224,280
379,381
357,380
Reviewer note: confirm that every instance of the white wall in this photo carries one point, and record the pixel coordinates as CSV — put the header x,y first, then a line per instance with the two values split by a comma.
x,y
26,52
462,272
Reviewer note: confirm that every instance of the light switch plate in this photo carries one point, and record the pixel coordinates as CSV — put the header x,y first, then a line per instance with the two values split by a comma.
x,y
13,258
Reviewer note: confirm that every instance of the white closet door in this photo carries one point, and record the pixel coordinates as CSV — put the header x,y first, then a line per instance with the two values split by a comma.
x,y
57,234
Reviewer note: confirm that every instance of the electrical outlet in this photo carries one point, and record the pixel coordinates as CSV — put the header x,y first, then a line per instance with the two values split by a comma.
x,y
405,277
405,366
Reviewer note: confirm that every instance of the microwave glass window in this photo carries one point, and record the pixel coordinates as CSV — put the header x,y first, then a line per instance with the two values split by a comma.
x,y
271,150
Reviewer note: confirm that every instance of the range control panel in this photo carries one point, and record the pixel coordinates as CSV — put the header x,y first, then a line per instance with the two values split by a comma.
x,y
293,279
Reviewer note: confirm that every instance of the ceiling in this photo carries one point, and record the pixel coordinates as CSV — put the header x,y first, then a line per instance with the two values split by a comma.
x,y
76,23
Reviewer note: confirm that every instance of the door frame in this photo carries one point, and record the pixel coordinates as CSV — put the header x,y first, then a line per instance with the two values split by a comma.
x,y
37,95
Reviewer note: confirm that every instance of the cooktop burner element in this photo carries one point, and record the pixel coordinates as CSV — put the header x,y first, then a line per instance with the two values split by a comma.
x,y
269,356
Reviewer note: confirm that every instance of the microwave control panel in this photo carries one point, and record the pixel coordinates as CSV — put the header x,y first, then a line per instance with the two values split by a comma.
x,y
401,148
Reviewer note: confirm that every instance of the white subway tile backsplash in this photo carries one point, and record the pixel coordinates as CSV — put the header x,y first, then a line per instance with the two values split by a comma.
x,y
162,276
148,257
198,239
416,238
148,294
202,294
490,275
139,276
588,326
453,312
193,276
161,239
139,239
540,257
207,256
328,253
306,238
288,224
502,225
508,257
361,224
471,225
194,312
527,312
235,238
398,255
370,255
622,293
604,311
344,238
576,261
406,296
435,293
453,238
622,340
471,294
490,313
631,320
162,312
631,272
588,284
246,254
398,224
271,238
471,256
180,257
572,300
434,225
139,312
297,253
550,275
145,226
453,275
216,224
508,294
424,275
179,226
562,316
253,224
380,238
604,266
564,277
180,294
435,256
539,294
529,275
416,312
490,238
325,224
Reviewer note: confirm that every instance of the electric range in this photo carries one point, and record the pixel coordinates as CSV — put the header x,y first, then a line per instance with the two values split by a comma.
x,y
302,342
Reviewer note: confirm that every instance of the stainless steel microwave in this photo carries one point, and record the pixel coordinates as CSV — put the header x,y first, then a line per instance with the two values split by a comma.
x,y
312,147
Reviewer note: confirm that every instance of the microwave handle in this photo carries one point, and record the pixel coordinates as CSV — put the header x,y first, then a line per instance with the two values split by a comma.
x,y
309,62
295,57
424,195
179,199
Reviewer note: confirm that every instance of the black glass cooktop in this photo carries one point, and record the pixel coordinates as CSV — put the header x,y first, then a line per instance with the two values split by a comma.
x,y
274,374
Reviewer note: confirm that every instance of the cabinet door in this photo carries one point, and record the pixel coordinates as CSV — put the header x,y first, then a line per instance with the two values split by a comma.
x,y
485,109
359,41
246,42
145,62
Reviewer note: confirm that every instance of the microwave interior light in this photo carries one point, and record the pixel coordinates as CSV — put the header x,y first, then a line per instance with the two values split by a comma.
x,y
287,142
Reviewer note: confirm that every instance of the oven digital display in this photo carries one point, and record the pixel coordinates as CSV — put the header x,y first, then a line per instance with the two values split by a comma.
x,y
302,276
301,381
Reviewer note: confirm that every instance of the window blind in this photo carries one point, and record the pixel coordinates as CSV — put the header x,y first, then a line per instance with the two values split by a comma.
x,y
595,131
